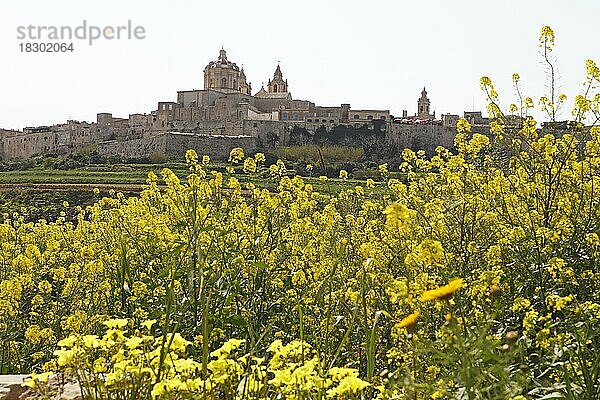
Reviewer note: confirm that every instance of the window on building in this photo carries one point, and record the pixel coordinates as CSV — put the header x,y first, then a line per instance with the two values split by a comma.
x,y
383,117
223,83
284,116
332,121
356,116
369,117
309,120
275,88
296,117
171,107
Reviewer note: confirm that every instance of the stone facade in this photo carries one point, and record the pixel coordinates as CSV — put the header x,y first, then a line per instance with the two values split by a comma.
x,y
175,144
71,136
423,136
230,104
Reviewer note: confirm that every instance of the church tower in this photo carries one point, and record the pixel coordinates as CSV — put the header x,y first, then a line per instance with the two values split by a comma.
x,y
277,85
423,105
245,87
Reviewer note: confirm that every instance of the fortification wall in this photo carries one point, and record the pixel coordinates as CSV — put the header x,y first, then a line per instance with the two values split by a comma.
x,y
217,147
28,145
134,148
421,137
175,144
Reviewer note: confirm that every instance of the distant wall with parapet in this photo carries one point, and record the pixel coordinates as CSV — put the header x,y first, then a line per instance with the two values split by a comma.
x,y
57,139
422,137
175,144
215,146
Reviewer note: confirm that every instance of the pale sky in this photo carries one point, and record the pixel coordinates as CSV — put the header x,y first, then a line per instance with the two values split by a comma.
x,y
372,54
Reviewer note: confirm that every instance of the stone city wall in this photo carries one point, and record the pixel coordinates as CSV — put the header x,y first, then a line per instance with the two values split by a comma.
x,y
58,139
421,137
175,144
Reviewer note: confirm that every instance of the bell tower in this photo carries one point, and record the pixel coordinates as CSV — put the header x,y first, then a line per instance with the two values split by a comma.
x,y
277,85
423,105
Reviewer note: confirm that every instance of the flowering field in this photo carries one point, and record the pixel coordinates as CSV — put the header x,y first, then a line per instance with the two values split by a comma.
x,y
476,278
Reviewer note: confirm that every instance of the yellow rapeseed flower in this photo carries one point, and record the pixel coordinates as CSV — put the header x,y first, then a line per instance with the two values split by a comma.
x,y
546,36
236,155
443,292
35,379
116,323
397,214
409,321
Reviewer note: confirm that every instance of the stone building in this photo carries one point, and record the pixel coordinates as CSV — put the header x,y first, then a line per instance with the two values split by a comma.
x,y
195,110
71,136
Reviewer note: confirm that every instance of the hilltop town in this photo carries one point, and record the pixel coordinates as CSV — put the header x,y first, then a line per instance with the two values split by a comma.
x,y
225,114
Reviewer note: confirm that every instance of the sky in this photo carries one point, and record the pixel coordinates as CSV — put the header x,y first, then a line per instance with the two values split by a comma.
x,y
372,54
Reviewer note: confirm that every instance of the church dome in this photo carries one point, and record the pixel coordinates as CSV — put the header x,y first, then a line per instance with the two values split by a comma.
x,y
225,76
222,62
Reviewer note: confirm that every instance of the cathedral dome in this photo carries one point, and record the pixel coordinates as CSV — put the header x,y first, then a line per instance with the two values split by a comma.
x,y
225,76
222,62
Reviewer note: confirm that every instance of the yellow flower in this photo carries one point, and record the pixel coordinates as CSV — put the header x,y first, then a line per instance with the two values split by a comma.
x,y
259,158
191,157
463,125
35,379
347,386
485,81
546,36
116,323
397,215
68,341
133,342
249,165
178,342
236,155
65,357
409,321
148,324
443,292
91,341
